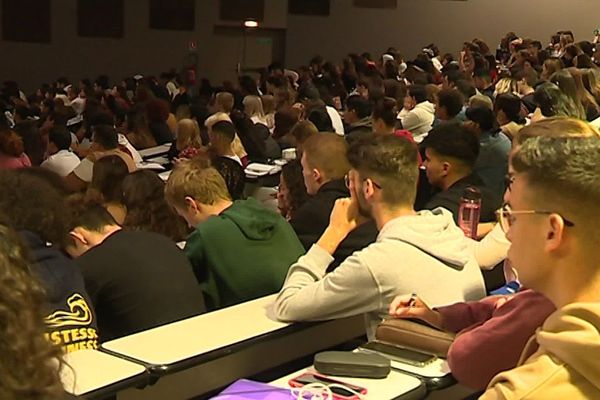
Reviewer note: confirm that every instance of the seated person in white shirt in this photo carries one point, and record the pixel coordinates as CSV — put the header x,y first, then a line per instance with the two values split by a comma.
x,y
418,113
105,142
421,252
61,161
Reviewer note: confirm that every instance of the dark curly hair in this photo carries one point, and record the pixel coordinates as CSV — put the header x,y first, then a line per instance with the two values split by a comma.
x,y
147,209
28,364
11,143
291,174
34,202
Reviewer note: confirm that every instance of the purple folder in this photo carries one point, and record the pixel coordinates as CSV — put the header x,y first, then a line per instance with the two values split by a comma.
x,y
250,390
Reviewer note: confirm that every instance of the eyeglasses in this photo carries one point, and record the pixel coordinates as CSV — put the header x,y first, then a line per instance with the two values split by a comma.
x,y
507,219
347,182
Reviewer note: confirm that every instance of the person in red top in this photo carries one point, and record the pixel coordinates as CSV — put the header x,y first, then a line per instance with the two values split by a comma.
x,y
491,333
12,149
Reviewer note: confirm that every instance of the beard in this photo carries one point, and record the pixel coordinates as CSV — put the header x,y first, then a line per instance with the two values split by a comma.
x,y
364,209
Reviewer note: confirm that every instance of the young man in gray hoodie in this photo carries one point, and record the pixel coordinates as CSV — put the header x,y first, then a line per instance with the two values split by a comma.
x,y
421,252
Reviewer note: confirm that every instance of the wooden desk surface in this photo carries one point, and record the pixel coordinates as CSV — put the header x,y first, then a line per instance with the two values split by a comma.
x,y
185,339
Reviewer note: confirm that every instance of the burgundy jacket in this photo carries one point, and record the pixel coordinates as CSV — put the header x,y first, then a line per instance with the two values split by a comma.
x,y
490,338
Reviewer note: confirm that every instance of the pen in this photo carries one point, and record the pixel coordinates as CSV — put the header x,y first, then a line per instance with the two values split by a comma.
x,y
412,300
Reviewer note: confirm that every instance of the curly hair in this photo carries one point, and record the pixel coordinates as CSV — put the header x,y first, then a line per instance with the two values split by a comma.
x,y
30,365
147,209
291,173
11,143
34,202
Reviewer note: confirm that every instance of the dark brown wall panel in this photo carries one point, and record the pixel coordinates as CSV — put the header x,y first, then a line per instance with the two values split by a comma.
x,y
309,7
376,3
100,18
241,10
26,21
178,15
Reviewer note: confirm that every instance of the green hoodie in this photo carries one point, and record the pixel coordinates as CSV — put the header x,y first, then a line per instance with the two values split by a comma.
x,y
242,254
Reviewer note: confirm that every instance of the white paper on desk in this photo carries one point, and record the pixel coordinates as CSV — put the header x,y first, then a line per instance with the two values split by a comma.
x,y
158,160
154,166
257,169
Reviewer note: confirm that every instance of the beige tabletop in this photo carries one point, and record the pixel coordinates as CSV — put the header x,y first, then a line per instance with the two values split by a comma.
x,y
90,370
181,340
396,384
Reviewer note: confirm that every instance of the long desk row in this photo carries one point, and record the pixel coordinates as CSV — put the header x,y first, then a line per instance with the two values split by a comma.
x,y
202,354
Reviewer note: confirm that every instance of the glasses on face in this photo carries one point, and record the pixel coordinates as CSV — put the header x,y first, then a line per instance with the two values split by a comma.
x,y
347,182
506,216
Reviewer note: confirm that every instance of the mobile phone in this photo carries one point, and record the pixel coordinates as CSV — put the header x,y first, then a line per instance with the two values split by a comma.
x,y
339,393
400,354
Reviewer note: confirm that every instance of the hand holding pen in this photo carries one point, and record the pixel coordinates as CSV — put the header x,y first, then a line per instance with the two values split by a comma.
x,y
413,307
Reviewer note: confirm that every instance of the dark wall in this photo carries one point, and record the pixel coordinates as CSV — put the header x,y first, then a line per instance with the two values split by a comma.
x,y
141,50
416,23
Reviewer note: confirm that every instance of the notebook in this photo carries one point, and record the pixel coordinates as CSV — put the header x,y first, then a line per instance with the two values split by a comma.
x,y
250,390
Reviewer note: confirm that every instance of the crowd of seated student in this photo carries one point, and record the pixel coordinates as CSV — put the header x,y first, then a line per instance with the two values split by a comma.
x,y
324,168
125,273
367,213
265,244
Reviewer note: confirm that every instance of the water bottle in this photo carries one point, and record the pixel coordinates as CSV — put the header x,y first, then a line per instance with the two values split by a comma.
x,y
469,211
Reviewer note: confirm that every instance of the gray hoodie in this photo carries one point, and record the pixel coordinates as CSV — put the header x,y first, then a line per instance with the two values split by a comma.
x,y
419,120
425,253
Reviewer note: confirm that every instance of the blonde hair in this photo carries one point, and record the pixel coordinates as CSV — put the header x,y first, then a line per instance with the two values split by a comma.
x,y
506,85
302,131
188,134
481,100
253,106
225,101
217,117
327,152
552,65
557,127
268,103
591,80
198,180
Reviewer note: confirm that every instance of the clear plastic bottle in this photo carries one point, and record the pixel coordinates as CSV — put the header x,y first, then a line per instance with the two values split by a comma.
x,y
469,211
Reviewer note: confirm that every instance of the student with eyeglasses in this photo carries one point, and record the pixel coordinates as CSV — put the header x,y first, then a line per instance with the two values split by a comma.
x,y
423,252
498,326
554,239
